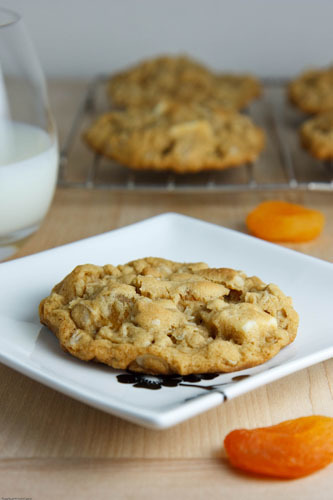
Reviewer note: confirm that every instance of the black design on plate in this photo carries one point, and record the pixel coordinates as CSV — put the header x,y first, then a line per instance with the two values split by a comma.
x,y
155,382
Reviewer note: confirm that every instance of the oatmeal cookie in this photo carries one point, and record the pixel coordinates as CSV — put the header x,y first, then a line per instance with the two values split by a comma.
x,y
176,137
183,80
312,91
317,135
234,91
158,316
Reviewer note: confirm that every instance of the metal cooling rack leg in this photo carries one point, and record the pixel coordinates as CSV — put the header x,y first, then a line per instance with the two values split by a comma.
x,y
286,157
130,181
170,182
92,172
211,183
251,182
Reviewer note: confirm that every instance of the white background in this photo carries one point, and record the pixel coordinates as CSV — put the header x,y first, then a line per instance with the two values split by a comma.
x,y
268,37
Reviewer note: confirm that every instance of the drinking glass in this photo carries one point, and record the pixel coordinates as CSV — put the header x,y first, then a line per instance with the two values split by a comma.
x,y
28,141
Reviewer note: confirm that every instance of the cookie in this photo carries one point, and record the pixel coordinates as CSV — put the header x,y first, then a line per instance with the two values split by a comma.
x,y
176,137
234,91
158,316
317,136
312,91
183,80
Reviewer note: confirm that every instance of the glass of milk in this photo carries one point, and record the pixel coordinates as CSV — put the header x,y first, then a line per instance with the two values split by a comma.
x,y
28,141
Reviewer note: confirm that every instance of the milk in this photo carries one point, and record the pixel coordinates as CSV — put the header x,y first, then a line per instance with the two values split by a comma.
x,y
28,173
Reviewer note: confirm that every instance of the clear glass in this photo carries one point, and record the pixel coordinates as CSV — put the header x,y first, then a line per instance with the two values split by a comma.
x,y
28,140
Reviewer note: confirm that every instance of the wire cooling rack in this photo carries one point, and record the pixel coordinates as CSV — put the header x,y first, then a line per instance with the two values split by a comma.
x,y
282,165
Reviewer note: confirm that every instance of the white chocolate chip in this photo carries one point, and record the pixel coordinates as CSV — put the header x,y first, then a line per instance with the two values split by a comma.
x,y
75,338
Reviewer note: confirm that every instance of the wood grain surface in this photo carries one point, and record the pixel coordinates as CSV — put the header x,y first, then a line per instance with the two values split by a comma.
x,y
54,447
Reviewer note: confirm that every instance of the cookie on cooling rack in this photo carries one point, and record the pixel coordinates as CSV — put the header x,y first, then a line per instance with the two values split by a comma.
x,y
317,135
158,316
181,79
233,91
312,91
176,137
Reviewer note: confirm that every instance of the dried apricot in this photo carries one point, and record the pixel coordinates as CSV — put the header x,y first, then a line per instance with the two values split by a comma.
x,y
291,449
284,222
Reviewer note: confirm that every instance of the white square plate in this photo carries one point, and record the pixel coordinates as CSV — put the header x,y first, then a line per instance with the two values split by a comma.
x,y
34,351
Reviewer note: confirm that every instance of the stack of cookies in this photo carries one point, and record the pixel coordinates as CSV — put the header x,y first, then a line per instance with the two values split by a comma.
x,y
312,92
173,113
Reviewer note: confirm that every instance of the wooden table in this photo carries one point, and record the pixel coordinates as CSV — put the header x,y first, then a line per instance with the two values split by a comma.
x,y
54,447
